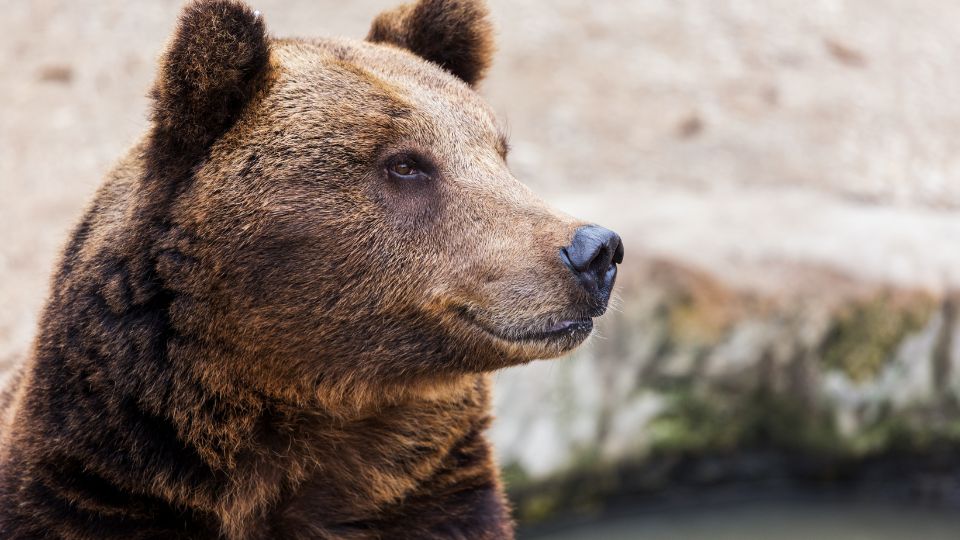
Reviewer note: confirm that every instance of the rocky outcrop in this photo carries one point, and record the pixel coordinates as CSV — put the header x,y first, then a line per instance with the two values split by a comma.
x,y
688,366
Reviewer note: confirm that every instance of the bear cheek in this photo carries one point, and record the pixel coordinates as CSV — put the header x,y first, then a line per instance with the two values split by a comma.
x,y
408,207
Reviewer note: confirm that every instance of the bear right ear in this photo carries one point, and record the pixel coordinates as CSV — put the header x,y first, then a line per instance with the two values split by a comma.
x,y
211,68
456,34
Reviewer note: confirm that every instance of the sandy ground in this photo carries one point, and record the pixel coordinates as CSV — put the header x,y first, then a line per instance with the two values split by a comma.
x,y
739,136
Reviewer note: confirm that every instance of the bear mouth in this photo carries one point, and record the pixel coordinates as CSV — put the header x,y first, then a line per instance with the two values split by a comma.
x,y
565,332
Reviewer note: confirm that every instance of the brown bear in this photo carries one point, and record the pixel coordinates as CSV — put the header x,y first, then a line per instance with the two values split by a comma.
x,y
276,317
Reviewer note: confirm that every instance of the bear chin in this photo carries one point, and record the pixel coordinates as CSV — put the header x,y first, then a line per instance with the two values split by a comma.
x,y
548,338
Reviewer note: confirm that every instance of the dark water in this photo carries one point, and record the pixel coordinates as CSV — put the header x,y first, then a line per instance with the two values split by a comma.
x,y
767,520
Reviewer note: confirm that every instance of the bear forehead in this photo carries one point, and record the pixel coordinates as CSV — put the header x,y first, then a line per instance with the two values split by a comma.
x,y
355,75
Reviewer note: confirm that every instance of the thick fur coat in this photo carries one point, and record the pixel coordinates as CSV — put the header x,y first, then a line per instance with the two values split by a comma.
x,y
277,316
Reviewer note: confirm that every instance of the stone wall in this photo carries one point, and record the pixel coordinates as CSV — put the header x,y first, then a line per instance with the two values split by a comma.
x,y
686,366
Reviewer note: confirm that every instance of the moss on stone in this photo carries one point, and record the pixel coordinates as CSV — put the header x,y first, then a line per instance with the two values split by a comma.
x,y
699,427
579,490
514,476
699,317
714,422
865,336
703,422
694,423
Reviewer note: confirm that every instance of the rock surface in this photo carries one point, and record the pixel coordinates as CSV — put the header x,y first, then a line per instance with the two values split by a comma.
x,y
689,366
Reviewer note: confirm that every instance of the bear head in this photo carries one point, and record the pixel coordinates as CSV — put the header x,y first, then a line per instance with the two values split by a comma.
x,y
333,216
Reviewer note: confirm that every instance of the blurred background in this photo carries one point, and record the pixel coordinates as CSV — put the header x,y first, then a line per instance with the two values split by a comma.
x,y
784,357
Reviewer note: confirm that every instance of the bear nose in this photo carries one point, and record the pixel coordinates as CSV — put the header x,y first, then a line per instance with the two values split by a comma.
x,y
593,256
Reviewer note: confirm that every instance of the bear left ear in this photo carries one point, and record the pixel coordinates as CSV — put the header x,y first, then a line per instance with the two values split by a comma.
x,y
456,34
211,69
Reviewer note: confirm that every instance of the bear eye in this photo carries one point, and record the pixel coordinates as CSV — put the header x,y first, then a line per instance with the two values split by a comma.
x,y
404,169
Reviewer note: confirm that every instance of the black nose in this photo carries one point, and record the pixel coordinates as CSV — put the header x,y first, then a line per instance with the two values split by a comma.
x,y
593,255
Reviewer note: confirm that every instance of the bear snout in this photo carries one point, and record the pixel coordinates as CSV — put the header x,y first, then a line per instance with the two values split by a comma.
x,y
593,256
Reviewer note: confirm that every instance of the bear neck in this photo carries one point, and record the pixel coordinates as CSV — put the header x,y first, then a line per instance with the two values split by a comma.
x,y
129,406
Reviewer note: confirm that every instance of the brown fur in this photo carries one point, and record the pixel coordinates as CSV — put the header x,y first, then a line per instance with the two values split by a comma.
x,y
256,332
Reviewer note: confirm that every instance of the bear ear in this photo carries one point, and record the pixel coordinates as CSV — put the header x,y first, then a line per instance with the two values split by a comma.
x,y
456,34
210,70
